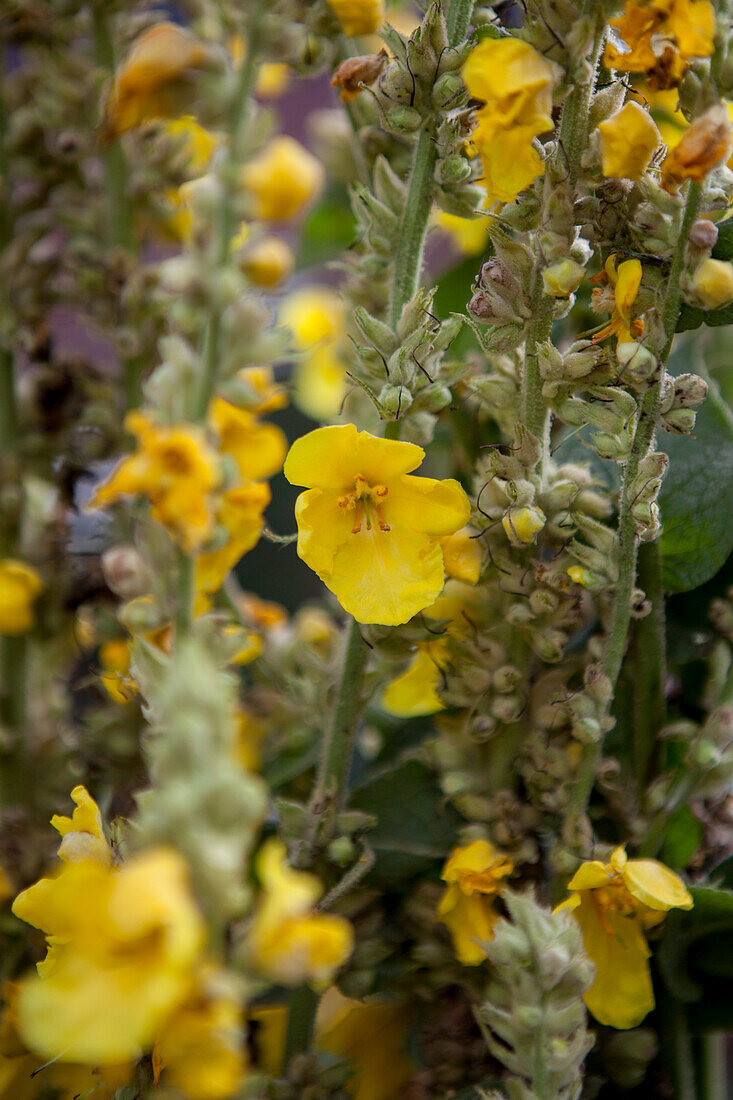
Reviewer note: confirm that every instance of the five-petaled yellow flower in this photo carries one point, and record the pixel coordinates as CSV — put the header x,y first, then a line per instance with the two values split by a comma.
x,y
660,37
515,84
614,903
176,469
369,530
290,943
616,294
475,874
19,586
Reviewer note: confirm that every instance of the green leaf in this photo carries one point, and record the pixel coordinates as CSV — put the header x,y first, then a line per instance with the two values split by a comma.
x,y
329,229
696,499
690,316
682,837
415,829
695,957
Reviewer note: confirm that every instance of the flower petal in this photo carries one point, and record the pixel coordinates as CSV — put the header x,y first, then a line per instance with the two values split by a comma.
x,y
414,693
331,457
423,504
386,577
590,876
621,994
322,528
655,885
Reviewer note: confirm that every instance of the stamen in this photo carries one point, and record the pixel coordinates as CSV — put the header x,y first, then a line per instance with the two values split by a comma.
x,y
357,519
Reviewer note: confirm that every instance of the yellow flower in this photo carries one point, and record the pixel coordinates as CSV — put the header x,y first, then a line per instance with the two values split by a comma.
x,y
251,731
289,942
660,37
273,80
121,947
614,903
469,235
114,657
358,16
83,833
283,179
19,586
267,261
712,283
625,283
702,147
177,471
628,140
258,449
515,84
462,556
474,873
315,628
198,144
240,515
200,1048
369,530
315,316
155,78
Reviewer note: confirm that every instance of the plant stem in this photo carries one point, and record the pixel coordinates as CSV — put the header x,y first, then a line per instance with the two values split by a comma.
x,y
119,215
185,594
628,541
227,223
713,1067
677,1046
419,199
302,1011
650,664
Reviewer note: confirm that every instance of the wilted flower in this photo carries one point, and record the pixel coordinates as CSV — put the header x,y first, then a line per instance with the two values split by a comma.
x,y
368,529
624,283
628,140
659,38
705,145
475,874
514,83
289,942
283,179
19,586
354,72
614,903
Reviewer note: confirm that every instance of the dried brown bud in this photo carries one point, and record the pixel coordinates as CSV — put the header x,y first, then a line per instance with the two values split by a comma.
x,y
704,233
354,72
702,148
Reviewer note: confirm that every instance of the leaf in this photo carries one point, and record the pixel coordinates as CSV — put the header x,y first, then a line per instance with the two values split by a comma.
x,y
695,957
682,838
696,499
415,829
692,317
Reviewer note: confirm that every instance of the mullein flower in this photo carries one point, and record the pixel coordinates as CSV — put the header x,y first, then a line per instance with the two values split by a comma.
x,y
628,140
369,530
614,903
660,38
702,147
515,84
289,942
176,469
358,16
19,587
240,514
712,283
475,875
115,657
267,260
616,294
82,834
282,180
316,318
258,449
156,78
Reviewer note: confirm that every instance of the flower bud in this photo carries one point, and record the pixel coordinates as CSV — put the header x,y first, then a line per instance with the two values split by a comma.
x,y
637,364
403,120
690,390
679,421
446,89
268,261
452,170
395,400
354,72
523,524
125,572
563,278
703,233
712,283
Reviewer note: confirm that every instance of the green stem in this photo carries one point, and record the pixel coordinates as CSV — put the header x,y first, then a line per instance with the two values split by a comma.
x,y
419,200
650,665
185,594
301,1023
677,1052
8,414
119,211
239,117
713,1067
628,542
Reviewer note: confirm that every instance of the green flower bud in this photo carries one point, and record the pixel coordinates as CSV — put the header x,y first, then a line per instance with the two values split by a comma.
x,y
563,278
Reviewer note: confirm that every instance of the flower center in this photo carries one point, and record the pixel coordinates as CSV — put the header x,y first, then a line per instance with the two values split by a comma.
x,y
614,898
365,500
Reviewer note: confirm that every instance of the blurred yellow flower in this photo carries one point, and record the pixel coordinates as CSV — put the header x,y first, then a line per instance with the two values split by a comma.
x,y
515,85
258,449
469,235
614,903
176,469
289,942
273,80
267,261
250,734
83,833
282,179
199,1048
240,515
155,79
121,948
659,38
369,530
315,316
712,283
358,16
114,657
624,286
19,587
628,140
198,144
475,874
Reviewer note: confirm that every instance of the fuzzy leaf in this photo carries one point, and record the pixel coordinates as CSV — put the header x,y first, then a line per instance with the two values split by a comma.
x,y
695,957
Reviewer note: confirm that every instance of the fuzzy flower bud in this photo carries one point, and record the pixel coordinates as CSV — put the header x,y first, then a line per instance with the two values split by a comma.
x,y
125,572
563,278
523,524
712,283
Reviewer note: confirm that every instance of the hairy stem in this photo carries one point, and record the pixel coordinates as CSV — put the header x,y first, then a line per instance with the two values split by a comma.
x,y
302,1011
650,665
